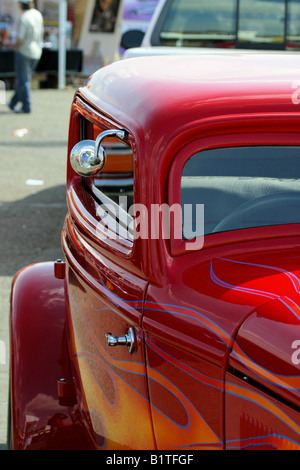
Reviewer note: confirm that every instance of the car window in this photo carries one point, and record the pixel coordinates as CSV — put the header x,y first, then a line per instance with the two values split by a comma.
x,y
112,189
293,22
116,179
190,23
261,21
267,24
241,187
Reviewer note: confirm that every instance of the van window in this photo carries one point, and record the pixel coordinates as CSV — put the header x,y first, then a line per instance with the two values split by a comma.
x,y
255,24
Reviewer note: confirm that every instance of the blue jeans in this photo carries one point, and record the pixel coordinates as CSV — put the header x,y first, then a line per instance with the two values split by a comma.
x,y
23,69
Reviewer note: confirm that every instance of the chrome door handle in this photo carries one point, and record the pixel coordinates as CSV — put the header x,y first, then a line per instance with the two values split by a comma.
x,y
126,340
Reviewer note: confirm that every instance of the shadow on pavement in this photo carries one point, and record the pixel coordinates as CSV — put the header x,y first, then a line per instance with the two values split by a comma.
x,y
30,229
24,144
30,232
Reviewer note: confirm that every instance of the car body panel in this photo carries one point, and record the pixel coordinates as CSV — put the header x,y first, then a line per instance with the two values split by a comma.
x,y
40,419
187,348
110,380
269,362
234,290
214,321
144,51
243,75
257,422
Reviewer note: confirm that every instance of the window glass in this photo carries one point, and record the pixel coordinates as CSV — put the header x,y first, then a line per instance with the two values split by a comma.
x,y
110,193
241,187
116,179
293,24
261,21
199,23
267,24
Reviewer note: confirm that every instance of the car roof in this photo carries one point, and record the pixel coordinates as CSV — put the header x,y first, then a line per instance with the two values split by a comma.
x,y
143,92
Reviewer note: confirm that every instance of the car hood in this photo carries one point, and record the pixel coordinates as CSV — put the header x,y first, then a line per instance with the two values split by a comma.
x,y
267,347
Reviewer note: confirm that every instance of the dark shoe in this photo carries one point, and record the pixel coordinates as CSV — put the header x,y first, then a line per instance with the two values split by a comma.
x,y
20,111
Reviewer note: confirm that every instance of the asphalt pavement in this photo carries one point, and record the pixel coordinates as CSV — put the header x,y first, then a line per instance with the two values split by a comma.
x,y
33,155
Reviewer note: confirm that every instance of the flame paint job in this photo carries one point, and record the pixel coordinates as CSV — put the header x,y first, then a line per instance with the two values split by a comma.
x,y
178,376
212,367
261,354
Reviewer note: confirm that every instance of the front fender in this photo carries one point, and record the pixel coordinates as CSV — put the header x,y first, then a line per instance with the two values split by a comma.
x,y
38,361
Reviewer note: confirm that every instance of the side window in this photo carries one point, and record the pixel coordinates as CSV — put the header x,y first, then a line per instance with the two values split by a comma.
x,y
261,21
207,24
116,180
271,24
293,23
111,190
242,187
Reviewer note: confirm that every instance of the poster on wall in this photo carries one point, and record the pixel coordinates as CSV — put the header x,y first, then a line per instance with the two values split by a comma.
x,y
50,12
100,33
104,16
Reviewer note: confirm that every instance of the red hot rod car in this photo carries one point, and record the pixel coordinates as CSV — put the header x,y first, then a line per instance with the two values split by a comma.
x,y
173,321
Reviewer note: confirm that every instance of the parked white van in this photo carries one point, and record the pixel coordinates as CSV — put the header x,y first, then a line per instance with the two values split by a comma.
x,y
236,24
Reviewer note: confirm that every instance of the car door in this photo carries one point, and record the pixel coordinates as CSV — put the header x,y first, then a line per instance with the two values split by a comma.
x,y
105,296
193,315
185,384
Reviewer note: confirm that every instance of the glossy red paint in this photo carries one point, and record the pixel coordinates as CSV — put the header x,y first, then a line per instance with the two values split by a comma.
x,y
39,359
212,366
234,286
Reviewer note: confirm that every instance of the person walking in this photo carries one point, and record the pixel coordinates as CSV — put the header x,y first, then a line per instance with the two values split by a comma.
x,y
27,55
